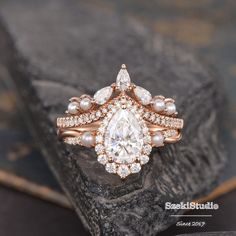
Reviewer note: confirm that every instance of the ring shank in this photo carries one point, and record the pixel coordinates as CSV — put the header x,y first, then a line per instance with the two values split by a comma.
x,y
63,133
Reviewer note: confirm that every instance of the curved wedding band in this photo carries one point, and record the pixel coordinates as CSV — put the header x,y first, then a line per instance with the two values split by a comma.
x,y
123,122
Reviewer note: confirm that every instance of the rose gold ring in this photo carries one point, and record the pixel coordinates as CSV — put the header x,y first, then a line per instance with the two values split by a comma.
x,y
123,122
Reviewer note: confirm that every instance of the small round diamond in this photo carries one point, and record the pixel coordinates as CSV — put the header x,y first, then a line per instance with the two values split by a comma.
x,y
129,104
143,159
105,122
101,129
117,102
134,109
152,117
140,111
99,148
111,167
99,138
145,130
109,115
110,106
86,118
104,110
76,120
80,120
71,122
170,133
123,171
147,115
158,120
135,168
103,159
147,149
98,114
163,121
92,116
67,122
147,139
113,109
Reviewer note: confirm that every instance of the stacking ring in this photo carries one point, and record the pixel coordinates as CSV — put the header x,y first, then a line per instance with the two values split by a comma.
x,y
123,122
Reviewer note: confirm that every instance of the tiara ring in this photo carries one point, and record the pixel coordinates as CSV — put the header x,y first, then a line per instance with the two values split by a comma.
x,y
123,122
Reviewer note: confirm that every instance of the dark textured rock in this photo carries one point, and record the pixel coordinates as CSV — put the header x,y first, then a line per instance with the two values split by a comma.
x,y
220,233
57,49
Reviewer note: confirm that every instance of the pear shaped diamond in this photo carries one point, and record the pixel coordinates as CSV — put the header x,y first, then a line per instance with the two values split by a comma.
x,y
123,137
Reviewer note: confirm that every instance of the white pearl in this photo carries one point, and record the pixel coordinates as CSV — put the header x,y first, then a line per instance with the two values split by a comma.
x,y
170,108
87,139
73,107
85,104
158,105
158,139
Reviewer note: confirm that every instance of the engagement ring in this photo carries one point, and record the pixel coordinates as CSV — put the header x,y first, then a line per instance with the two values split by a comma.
x,y
123,122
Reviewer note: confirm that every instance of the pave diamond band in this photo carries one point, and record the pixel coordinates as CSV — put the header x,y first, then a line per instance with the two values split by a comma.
x,y
87,118
123,122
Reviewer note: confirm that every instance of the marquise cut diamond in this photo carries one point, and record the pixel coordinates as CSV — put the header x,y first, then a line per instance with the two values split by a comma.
x,y
123,80
103,95
143,95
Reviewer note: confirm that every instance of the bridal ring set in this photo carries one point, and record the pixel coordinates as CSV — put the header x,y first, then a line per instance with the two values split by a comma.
x,y
123,122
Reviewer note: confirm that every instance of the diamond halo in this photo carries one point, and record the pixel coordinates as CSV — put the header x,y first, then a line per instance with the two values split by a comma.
x,y
125,137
